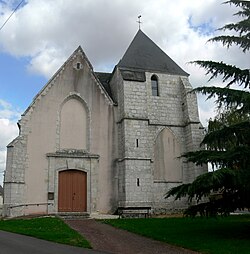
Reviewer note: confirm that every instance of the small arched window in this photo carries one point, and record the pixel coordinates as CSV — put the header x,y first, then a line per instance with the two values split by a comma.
x,y
154,85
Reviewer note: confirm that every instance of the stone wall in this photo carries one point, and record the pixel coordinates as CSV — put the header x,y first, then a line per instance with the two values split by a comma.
x,y
142,117
14,178
28,168
118,153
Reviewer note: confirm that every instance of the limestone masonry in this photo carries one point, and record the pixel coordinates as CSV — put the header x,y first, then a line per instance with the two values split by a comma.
x,y
92,142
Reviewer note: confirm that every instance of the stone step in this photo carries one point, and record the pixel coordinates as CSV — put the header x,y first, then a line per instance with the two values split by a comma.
x,y
73,215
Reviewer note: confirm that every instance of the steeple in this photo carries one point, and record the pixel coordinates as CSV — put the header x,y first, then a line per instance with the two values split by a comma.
x,y
144,54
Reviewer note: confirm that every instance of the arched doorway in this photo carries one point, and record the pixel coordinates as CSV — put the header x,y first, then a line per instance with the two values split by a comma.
x,y
72,192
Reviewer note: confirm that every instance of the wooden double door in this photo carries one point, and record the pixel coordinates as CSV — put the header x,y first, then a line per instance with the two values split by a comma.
x,y
72,192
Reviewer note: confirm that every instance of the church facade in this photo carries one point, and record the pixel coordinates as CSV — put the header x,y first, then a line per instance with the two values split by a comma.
x,y
91,142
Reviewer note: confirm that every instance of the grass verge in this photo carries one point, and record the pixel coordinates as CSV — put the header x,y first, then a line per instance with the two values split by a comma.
x,y
50,229
208,235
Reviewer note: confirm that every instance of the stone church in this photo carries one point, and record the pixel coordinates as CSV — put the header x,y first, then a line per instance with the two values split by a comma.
x,y
91,142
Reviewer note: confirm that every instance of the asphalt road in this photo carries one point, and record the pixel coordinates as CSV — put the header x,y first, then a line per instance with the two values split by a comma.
x,y
19,244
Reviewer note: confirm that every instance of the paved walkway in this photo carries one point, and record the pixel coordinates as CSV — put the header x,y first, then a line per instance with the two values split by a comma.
x,y
11,243
106,238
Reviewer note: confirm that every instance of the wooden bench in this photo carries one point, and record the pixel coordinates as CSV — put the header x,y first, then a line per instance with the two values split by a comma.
x,y
134,211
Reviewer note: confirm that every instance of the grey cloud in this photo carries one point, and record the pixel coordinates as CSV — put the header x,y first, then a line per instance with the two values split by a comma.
x,y
49,31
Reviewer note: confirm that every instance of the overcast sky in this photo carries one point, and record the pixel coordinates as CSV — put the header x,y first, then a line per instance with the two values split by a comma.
x,y
42,34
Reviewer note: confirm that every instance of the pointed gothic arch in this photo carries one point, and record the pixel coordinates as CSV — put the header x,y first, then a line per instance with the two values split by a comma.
x,y
74,124
167,164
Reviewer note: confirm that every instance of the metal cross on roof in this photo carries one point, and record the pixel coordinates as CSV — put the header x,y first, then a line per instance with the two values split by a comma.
x,y
139,21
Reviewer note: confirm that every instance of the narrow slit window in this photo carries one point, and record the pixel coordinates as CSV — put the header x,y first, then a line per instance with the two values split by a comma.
x,y
138,182
78,66
154,86
137,142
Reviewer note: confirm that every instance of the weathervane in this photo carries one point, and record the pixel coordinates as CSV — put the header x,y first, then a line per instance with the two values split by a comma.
x,y
139,21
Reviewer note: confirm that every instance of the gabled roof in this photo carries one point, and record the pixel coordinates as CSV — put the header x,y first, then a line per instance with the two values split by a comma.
x,y
50,83
144,54
104,78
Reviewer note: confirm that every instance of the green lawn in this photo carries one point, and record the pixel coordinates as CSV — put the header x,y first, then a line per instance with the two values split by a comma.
x,y
51,229
208,235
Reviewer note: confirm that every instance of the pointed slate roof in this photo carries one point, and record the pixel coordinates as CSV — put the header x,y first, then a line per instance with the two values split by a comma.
x,y
144,54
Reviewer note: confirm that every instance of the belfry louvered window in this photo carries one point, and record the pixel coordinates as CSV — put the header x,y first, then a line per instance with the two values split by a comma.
x,y
154,85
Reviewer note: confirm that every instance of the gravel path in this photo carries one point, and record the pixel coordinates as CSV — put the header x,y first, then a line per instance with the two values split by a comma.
x,y
106,238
